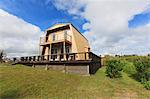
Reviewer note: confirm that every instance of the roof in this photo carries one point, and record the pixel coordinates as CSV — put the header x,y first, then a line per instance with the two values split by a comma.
x,y
58,25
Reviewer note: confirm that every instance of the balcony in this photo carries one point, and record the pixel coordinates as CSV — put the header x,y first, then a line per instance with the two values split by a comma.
x,y
55,38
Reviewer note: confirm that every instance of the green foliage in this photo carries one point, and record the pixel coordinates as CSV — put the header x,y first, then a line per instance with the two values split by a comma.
x,y
137,67
114,68
143,69
147,85
129,68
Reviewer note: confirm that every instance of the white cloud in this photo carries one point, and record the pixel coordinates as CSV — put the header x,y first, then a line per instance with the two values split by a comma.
x,y
108,26
17,37
73,7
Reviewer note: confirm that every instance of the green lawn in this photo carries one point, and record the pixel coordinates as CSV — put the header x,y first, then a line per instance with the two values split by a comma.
x,y
27,82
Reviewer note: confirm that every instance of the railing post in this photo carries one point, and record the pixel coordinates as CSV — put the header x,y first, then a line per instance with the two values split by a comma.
x,y
26,58
43,58
30,58
38,58
48,57
74,56
85,55
59,57
33,58
67,56
90,55
14,59
22,59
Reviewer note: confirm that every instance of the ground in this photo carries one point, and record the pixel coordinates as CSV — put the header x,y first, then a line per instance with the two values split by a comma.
x,y
18,81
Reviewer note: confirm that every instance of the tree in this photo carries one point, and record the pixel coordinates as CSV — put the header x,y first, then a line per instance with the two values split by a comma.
x,y
143,69
2,55
114,68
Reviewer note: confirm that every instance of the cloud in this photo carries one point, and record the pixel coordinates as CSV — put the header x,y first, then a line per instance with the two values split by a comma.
x,y
17,37
108,29
73,7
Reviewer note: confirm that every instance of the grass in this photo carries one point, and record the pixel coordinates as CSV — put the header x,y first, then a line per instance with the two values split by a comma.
x,y
25,82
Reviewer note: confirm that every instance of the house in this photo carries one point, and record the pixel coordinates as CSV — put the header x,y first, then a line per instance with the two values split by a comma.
x,y
64,48
62,39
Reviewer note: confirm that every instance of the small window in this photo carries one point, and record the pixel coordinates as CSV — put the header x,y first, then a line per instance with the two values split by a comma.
x,y
65,34
54,36
67,49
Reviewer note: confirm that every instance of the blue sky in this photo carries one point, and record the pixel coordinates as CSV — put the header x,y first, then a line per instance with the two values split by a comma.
x,y
140,19
39,12
45,14
110,27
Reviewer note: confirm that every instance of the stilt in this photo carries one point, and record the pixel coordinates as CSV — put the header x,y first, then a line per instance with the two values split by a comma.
x,y
46,67
50,51
64,50
33,66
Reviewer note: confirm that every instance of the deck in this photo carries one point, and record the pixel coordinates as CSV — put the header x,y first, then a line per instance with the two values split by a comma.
x,y
73,61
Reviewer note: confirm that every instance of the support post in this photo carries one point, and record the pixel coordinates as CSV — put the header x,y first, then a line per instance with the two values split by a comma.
x,y
46,67
64,50
85,56
33,66
50,50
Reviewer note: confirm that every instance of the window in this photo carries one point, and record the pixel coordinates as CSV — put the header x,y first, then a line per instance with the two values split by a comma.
x,y
54,53
65,34
54,36
67,49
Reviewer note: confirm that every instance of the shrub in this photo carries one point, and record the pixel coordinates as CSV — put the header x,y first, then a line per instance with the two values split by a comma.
x,y
129,68
147,85
114,68
143,69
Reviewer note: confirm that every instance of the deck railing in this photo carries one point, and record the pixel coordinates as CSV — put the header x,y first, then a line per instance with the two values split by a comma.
x,y
58,37
88,56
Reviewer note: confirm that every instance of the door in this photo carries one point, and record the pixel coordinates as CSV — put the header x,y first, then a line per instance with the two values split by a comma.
x,y
67,49
54,53
67,52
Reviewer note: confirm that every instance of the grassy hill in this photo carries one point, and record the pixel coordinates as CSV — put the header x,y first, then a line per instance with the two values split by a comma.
x,y
26,82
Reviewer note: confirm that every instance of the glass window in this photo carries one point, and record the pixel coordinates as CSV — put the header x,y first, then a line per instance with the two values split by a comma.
x,y
65,34
67,49
53,36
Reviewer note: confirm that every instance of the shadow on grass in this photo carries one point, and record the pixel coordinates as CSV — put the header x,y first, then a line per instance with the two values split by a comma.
x,y
10,94
135,77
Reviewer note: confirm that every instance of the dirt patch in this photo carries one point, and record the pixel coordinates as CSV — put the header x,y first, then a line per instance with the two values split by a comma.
x,y
123,94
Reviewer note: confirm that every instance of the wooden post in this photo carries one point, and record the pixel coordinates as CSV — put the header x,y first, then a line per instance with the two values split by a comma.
x,y
46,67
64,47
33,66
74,56
50,50
85,55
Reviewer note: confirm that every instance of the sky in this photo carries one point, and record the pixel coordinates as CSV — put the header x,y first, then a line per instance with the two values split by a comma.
x,y
111,26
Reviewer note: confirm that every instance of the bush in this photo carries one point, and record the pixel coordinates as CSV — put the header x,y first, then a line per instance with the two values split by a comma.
x,y
114,68
143,69
129,68
147,85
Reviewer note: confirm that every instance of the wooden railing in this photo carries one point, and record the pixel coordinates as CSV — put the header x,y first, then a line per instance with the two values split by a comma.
x,y
61,57
58,37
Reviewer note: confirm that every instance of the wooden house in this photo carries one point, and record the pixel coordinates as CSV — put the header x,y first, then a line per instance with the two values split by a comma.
x,y
64,48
